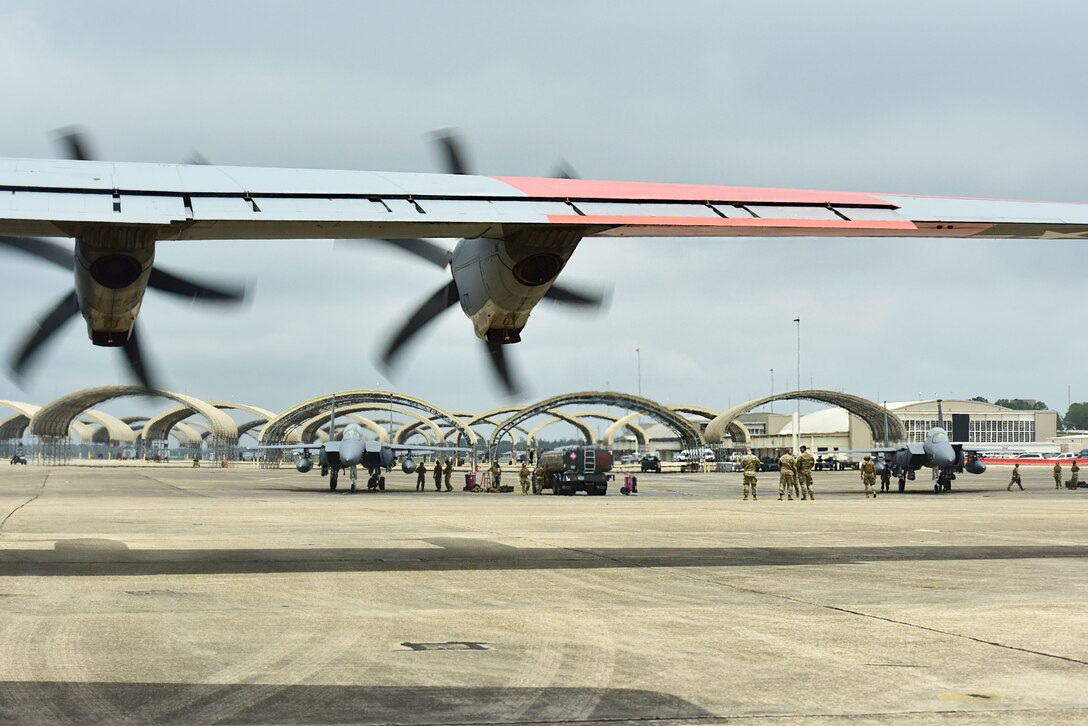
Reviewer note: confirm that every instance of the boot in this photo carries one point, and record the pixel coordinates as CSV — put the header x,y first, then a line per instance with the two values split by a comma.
x,y
780,497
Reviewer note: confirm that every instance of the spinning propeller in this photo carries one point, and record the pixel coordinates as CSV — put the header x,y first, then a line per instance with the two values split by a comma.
x,y
77,147
454,157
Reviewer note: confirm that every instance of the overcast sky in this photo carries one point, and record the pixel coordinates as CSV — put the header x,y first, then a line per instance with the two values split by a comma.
x,y
959,98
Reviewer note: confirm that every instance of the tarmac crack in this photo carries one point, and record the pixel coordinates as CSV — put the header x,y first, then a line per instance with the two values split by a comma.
x,y
180,490
848,611
28,501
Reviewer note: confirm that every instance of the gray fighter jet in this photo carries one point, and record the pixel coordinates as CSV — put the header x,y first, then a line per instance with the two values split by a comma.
x,y
352,451
944,457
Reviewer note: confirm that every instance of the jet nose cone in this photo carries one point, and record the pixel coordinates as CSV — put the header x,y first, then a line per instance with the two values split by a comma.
x,y
350,452
944,455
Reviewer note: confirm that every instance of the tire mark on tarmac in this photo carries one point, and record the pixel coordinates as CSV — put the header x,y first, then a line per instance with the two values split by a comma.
x,y
28,501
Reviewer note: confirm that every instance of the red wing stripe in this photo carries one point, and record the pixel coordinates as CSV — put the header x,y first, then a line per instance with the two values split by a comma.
x,y
644,191
842,224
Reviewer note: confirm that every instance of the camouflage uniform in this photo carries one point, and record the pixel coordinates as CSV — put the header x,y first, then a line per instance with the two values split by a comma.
x,y
1015,478
787,475
447,475
538,480
886,478
1058,475
750,465
437,475
868,476
421,476
496,474
1075,472
523,479
805,462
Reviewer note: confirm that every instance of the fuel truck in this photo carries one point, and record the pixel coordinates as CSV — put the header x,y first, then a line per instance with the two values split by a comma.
x,y
577,469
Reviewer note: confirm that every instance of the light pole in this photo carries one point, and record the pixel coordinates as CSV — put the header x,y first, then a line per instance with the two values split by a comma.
x,y
797,420
638,357
772,389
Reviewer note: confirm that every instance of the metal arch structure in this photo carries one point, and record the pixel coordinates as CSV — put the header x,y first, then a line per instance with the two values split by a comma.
x,y
318,425
560,417
27,410
52,422
111,430
871,413
738,432
627,422
448,429
313,427
640,434
689,436
488,417
277,429
247,427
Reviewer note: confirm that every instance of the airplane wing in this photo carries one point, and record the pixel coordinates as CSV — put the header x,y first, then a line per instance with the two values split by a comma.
x,y
424,449
55,198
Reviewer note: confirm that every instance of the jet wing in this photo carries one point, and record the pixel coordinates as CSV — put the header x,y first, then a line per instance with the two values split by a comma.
x,y
293,447
53,198
424,449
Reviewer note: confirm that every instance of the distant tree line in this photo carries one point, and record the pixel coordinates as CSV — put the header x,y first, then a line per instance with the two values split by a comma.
x,y
1075,418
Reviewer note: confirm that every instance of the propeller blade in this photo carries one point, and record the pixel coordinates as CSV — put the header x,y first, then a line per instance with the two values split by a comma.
x,y
581,298
563,170
497,354
138,361
175,285
195,158
424,249
50,323
443,299
76,144
59,255
453,151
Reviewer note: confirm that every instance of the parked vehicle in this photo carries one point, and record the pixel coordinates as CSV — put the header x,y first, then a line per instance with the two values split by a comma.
x,y
651,462
577,468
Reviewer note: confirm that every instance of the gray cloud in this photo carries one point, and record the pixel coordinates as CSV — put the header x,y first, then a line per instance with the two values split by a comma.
x,y
968,99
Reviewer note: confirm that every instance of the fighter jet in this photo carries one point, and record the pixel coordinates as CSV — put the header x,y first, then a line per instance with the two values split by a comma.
x,y
944,457
352,451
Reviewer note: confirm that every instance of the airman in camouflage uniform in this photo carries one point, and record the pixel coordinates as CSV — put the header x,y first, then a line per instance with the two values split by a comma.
x,y
1075,472
538,479
886,477
1015,478
1057,475
496,474
805,462
447,475
421,476
868,476
787,474
523,479
750,465
437,475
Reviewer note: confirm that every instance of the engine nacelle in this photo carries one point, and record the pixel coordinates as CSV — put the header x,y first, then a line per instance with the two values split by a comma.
x,y
111,274
408,465
974,465
500,281
304,464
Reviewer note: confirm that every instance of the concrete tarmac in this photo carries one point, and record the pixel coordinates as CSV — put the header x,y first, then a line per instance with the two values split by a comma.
x,y
144,594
